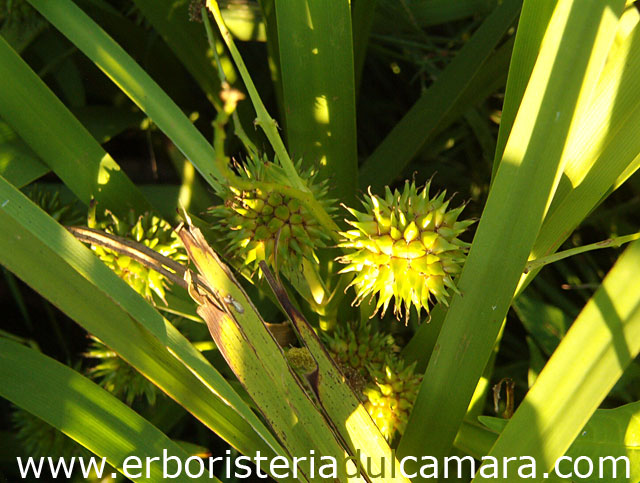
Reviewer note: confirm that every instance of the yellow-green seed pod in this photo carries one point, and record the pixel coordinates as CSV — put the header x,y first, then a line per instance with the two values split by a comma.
x,y
391,396
370,362
405,247
151,231
271,227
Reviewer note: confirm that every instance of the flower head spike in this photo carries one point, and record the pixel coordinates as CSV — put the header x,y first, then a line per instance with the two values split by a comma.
x,y
370,362
405,246
390,397
118,377
148,229
271,226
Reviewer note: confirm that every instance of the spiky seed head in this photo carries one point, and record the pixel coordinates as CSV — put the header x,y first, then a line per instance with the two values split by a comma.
x,y
360,347
148,229
390,397
404,246
118,377
369,360
270,226
66,213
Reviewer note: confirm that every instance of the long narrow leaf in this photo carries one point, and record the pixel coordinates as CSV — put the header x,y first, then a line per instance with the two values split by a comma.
x,y
532,26
603,155
259,363
59,139
83,411
316,62
573,54
48,258
602,341
134,82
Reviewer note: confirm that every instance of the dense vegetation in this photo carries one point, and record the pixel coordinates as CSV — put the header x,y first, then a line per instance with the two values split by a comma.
x,y
402,230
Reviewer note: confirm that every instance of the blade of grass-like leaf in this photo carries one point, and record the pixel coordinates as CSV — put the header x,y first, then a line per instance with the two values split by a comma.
x,y
532,26
610,433
605,338
316,64
49,259
603,156
259,363
420,124
573,54
134,82
337,398
59,139
362,15
83,411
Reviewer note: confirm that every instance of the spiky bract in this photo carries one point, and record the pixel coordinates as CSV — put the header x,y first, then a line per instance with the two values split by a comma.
x,y
405,246
153,232
270,226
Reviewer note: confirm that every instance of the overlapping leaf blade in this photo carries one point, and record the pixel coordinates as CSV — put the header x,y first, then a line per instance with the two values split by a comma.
x,y
83,411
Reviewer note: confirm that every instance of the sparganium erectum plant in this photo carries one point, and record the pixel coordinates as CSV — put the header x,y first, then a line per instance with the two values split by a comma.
x,y
287,342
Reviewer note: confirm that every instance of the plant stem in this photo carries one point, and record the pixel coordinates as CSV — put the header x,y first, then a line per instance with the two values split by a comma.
x,y
266,122
610,242
237,125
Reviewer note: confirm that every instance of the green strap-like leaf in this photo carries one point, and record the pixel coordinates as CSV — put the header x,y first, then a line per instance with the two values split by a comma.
x,y
49,259
259,363
560,90
531,28
316,63
59,139
602,155
602,341
83,411
134,82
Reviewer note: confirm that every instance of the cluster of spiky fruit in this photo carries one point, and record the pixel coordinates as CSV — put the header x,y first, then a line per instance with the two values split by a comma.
x,y
405,246
370,362
390,399
118,377
65,213
268,225
148,229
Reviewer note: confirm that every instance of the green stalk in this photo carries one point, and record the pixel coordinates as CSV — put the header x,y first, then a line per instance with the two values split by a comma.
x,y
610,242
263,119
